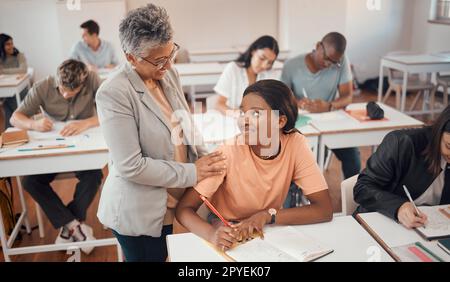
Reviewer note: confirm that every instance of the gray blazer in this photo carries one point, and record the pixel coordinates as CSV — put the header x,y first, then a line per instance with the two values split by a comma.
x,y
134,197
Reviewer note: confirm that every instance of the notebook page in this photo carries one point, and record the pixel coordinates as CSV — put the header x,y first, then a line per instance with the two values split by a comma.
x,y
260,251
296,244
438,224
279,244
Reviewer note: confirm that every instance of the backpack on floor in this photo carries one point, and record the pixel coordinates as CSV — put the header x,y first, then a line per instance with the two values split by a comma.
x,y
6,205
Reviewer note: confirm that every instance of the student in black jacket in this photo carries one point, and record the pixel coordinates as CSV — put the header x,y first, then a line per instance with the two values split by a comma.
x,y
417,158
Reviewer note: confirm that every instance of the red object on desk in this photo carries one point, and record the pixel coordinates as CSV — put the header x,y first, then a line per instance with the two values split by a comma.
x,y
361,115
423,257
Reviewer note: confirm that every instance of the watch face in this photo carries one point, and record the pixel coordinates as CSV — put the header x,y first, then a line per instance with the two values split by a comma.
x,y
272,211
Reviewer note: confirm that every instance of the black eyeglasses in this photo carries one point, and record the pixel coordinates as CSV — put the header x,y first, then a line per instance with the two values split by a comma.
x,y
163,61
337,64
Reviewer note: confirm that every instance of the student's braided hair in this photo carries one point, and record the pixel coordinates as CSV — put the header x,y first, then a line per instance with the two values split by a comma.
x,y
279,97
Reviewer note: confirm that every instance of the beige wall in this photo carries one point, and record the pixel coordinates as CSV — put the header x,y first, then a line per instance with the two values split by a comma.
x,y
217,24
428,37
373,34
34,28
370,34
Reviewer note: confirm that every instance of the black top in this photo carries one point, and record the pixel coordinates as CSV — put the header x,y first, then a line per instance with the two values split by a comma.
x,y
398,161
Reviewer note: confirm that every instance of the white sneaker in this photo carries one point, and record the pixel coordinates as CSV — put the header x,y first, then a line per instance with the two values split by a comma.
x,y
83,232
63,236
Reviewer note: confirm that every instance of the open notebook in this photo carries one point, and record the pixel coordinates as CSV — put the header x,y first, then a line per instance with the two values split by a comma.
x,y
438,225
280,244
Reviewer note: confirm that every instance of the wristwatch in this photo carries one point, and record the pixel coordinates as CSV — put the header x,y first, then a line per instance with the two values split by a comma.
x,y
273,213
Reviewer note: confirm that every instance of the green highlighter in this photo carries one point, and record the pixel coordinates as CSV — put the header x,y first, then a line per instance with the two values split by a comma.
x,y
302,121
420,245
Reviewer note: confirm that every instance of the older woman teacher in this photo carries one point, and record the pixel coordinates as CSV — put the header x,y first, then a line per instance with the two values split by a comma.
x,y
147,171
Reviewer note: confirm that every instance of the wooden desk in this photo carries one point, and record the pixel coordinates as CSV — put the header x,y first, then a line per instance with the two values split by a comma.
x,y
12,84
410,64
90,152
344,235
340,130
389,233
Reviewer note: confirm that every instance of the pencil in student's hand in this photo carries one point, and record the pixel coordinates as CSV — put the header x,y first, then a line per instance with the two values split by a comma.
x,y
213,209
304,93
412,202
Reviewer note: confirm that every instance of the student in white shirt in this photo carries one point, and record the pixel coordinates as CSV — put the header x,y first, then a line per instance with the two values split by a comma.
x,y
253,65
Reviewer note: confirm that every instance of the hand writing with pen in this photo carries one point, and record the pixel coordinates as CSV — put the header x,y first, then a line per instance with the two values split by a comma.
x,y
226,237
314,106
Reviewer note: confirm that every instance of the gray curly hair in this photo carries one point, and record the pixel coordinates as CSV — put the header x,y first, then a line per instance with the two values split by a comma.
x,y
143,29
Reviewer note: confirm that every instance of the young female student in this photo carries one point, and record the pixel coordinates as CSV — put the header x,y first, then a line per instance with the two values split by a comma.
x,y
252,189
416,158
11,62
253,65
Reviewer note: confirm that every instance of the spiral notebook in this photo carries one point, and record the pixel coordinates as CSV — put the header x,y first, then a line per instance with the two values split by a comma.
x,y
280,244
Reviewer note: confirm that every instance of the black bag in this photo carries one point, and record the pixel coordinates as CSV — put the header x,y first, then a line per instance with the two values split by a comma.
x,y
374,111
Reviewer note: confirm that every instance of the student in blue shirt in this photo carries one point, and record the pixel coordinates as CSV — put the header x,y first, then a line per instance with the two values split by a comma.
x,y
94,52
322,74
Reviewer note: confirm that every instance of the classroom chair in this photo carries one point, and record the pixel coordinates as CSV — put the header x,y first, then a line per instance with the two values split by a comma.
x,y
444,81
415,84
182,57
348,203
30,72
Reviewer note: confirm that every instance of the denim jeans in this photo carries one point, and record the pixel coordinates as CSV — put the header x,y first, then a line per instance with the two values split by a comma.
x,y
351,165
350,161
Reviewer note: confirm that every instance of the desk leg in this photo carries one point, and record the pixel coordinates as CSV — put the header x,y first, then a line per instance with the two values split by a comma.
x,y
23,204
192,97
405,84
39,220
119,253
321,155
18,98
3,239
316,150
380,83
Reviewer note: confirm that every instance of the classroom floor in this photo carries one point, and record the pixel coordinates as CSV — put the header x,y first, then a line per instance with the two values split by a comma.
x,y
65,189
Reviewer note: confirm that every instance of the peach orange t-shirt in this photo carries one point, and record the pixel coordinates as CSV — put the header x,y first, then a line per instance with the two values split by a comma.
x,y
252,184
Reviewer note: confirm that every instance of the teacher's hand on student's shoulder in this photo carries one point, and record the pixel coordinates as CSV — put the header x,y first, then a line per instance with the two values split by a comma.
x,y
223,237
318,106
74,128
42,125
253,226
210,165
407,216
